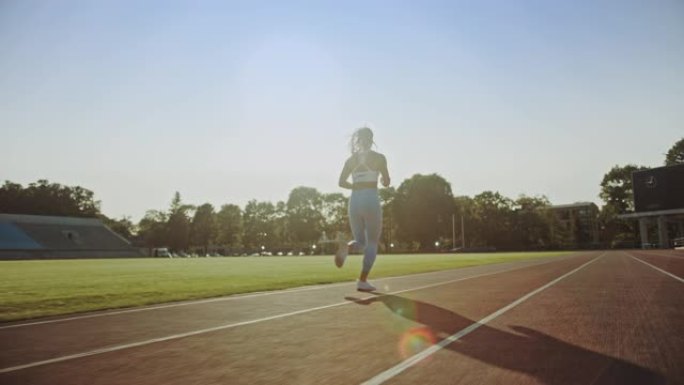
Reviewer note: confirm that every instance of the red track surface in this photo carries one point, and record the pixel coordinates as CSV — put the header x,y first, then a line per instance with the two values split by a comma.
x,y
613,318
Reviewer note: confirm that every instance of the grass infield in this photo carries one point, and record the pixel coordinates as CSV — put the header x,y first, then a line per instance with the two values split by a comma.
x,y
32,289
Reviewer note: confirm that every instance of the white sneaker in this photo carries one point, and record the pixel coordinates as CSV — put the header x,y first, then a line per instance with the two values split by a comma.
x,y
365,286
342,250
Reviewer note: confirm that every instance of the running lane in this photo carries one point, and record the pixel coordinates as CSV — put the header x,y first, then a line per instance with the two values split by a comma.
x,y
337,345
617,321
671,261
41,340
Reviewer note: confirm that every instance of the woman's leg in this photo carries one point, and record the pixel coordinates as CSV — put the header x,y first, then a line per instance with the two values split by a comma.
x,y
358,228
357,224
373,222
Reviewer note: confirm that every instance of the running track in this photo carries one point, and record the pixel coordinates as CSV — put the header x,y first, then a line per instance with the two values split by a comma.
x,y
592,318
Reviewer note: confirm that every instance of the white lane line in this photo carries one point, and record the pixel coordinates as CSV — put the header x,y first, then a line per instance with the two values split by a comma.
x,y
177,304
657,268
402,366
652,253
245,296
162,339
666,253
242,323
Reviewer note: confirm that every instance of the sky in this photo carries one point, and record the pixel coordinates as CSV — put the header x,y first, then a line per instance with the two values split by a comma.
x,y
229,101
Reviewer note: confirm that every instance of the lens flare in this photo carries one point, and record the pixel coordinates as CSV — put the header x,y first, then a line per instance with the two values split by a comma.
x,y
415,340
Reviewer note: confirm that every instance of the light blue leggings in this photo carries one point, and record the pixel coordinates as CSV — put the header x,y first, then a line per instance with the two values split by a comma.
x,y
365,218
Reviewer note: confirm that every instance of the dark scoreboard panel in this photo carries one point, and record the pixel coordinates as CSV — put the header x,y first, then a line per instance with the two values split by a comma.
x,y
659,188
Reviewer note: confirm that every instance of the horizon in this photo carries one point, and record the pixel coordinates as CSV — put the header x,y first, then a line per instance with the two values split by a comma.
x,y
225,103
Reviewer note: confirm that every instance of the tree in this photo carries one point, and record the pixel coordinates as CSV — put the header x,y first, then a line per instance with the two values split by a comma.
x,y
389,227
618,193
179,224
305,220
203,227
124,226
152,229
532,223
45,198
280,236
616,187
422,207
616,232
229,225
334,209
493,219
676,154
464,208
258,225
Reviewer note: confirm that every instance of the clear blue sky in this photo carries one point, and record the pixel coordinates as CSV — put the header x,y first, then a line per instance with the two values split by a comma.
x,y
229,101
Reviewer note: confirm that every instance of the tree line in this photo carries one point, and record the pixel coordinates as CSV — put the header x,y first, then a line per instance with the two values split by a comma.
x,y
418,215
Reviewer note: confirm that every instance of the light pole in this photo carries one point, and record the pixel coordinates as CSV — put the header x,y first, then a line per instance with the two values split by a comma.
x,y
462,232
389,231
453,231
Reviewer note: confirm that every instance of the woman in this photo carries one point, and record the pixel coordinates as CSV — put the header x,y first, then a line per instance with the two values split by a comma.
x,y
365,213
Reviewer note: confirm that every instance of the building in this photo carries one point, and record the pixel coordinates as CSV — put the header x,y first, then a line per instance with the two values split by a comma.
x,y
576,225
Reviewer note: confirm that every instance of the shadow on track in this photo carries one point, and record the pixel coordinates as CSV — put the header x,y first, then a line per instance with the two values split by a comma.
x,y
547,358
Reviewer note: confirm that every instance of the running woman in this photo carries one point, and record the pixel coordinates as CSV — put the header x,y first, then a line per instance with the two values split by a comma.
x,y
365,214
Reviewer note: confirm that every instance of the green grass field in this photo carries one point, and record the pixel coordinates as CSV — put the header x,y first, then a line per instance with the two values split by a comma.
x,y
31,289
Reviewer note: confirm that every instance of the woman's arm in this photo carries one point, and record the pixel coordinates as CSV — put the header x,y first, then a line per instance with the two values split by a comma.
x,y
344,175
385,173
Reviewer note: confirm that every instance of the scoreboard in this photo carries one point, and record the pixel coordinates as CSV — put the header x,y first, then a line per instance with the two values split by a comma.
x,y
659,188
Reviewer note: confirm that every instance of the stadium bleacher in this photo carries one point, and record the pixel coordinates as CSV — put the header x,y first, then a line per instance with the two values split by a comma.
x,y
47,237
